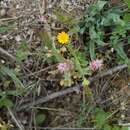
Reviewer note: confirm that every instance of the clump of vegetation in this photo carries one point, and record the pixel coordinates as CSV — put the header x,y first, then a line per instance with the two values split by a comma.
x,y
81,49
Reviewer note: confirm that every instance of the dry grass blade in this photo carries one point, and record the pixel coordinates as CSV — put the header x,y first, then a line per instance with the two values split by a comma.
x,y
5,54
20,126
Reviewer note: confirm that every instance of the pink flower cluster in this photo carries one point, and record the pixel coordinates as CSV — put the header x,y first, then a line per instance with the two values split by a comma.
x,y
96,64
42,19
64,67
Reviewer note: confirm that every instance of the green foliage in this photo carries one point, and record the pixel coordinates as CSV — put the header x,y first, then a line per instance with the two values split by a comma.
x,y
82,118
40,118
127,17
102,120
92,49
5,100
22,52
127,3
3,29
97,20
79,61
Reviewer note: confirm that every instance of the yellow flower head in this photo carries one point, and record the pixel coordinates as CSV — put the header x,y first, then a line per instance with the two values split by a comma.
x,y
63,38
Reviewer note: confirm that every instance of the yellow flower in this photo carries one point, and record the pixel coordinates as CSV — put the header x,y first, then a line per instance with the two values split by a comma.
x,y
63,38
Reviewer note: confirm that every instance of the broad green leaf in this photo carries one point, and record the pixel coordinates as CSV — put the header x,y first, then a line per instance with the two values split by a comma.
x,y
40,118
101,118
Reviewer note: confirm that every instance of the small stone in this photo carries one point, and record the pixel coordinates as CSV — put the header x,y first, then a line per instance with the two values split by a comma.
x,y
122,116
2,61
3,12
123,107
18,38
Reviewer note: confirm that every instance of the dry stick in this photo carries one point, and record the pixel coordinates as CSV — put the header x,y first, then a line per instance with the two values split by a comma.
x,y
71,89
19,125
5,54
7,19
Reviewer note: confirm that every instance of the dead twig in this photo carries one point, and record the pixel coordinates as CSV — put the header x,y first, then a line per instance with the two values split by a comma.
x,y
20,126
71,89
8,19
6,55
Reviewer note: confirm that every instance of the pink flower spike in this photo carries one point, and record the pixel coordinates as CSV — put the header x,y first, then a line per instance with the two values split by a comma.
x,y
96,64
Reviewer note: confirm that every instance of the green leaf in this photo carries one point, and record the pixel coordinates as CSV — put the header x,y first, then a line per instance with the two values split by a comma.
x,y
124,128
22,52
101,118
40,118
92,33
82,30
127,17
5,102
128,37
115,128
108,127
75,29
100,5
127,2
92,49
85,82
81,58
120,52
4,29
20,55
96,8
114,19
